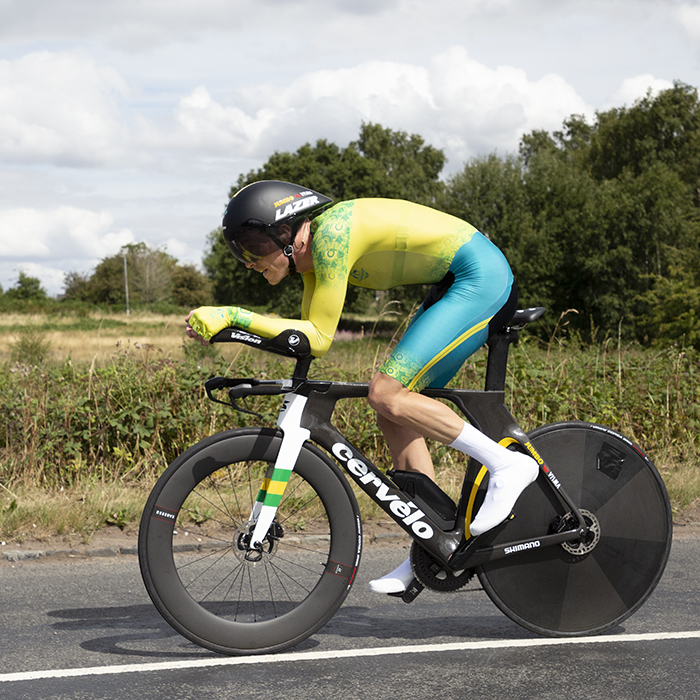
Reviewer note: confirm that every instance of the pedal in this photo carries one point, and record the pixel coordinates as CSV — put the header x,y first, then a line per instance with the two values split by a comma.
x,y
411,592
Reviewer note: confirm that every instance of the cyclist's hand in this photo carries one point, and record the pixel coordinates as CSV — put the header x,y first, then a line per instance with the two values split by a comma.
x,y
206,321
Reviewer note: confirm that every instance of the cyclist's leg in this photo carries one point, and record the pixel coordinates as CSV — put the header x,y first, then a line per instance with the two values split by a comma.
x,y
407,447
453,322
475,299
479,298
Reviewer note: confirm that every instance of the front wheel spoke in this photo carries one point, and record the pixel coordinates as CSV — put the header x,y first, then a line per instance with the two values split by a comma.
x,y
228,516
302,548
214,552
296,510
207,570
211,538
280,570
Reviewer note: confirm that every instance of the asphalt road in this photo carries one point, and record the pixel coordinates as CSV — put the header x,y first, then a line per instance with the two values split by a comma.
x,y
92,618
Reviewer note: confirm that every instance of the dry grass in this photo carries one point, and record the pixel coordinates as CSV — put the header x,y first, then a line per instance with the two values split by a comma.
x,y
681,474
152,333
30,513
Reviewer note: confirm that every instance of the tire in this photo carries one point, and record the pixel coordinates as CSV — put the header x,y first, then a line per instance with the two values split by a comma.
x,y
556,592
192,557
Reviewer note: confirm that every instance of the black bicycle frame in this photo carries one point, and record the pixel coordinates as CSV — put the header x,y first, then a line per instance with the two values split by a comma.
x,y
448,542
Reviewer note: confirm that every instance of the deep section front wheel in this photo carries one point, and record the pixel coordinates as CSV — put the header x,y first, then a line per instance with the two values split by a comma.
x,y
587,587
194,539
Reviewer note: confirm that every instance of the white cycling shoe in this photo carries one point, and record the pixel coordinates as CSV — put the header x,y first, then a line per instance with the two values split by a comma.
x,y
506,483
395,582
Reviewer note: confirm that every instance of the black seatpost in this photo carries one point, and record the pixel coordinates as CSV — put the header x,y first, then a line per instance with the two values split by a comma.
x,y
497,362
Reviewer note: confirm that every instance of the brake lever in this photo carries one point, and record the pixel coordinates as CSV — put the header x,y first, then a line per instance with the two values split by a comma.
x,y
241,389
232,396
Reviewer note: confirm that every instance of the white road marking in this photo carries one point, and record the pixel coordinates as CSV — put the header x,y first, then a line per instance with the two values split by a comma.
x,y
339,654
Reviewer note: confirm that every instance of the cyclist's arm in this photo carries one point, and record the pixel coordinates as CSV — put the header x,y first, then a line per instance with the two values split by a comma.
x,y
309,288
325,288
321,309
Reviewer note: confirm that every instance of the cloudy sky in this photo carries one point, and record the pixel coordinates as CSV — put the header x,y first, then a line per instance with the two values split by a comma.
x,y
128,120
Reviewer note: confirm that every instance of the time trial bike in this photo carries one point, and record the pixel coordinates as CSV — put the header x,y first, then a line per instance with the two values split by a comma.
x,y
251,539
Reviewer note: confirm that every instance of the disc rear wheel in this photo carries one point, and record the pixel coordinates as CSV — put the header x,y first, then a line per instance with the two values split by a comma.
x,y
587,587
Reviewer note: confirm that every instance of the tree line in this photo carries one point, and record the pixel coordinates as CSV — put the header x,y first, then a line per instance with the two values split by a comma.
x,y
151,276
600,221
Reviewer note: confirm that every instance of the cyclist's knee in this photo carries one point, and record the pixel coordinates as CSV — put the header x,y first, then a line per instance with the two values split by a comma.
x,y
385,395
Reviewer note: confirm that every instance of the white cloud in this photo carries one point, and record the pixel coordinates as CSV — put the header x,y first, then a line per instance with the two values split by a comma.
x,y
60,108
633,89
483,109
205,124
455,103
65,232
689,19
49,243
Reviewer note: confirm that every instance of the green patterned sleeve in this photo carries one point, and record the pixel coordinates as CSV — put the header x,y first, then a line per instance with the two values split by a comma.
x,y
324,288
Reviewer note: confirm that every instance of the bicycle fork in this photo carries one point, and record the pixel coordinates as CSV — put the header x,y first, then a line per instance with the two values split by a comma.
x,y
272,489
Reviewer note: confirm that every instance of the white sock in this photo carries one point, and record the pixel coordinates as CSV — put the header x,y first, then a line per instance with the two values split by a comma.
x,y
395,582
475,444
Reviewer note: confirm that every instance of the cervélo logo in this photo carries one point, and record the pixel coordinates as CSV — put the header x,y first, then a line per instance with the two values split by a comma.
x,y
409,513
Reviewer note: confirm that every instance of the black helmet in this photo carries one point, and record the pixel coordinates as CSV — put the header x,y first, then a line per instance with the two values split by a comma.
x,y
265,216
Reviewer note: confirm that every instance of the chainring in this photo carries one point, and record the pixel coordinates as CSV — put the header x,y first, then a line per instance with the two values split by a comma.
x,y
433,575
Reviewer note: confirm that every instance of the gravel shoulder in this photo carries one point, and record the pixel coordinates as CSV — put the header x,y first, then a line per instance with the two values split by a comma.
x,y
113,542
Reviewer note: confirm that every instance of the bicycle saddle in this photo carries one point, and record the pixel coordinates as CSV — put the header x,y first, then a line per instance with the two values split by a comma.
x,y
524,316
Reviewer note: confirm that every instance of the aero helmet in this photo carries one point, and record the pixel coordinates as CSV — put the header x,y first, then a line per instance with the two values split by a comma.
x,y
265,216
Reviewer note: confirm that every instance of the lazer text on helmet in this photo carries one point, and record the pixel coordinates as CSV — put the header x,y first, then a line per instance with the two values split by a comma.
x,y
296,206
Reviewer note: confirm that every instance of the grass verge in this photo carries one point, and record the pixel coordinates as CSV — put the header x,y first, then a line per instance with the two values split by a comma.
x,y
89,424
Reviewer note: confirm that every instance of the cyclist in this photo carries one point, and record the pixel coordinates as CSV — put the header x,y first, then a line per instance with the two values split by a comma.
x,y
278,228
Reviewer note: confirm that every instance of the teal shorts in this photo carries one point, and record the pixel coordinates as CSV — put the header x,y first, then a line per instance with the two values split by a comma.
x,y
476,298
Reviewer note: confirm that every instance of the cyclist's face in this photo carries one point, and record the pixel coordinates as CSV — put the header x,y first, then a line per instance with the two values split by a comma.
x,y
274,267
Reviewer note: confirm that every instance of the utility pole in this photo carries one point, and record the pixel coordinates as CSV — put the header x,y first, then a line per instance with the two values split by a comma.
x,y
126,286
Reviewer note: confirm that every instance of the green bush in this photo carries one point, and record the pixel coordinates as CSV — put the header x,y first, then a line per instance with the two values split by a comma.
x,y
126,421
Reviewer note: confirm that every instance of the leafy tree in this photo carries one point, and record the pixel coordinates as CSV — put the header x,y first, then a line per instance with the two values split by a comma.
x,y
106,284
664,128
647,158
190,287
150,271
601,217
149,274
381,163
398,165
27,289
76,286
672,305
